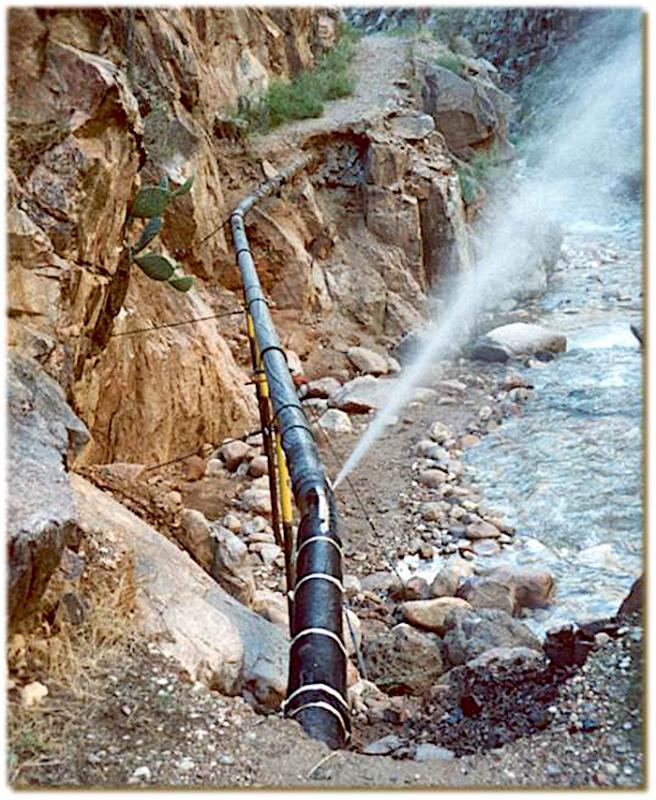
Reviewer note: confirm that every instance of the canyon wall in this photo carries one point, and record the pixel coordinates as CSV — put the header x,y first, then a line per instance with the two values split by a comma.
x,y
103,102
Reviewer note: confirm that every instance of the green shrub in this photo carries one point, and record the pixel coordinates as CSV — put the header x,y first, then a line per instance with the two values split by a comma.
x,y
468,184
481,168
450,61
303,97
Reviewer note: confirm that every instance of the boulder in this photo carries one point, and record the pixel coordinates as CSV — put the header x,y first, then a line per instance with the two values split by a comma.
x,y
517,339
410,345
257,500
259,466
366,393
230,566
188,616
380,582
351,584
433,478
482,530
537,255
413,127
335,421
322,388
367,361
273,607
468,111
447,580
269,552
532,588
633,602
404,660
488,593
415,588
234,453
40,509
471,634
361,395
431,614
194,534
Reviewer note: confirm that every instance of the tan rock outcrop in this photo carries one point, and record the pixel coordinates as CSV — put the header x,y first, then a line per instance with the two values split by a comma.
x,y
99,102
190,618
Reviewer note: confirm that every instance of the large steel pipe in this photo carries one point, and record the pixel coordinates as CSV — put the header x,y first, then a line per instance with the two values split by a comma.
x,y
316,692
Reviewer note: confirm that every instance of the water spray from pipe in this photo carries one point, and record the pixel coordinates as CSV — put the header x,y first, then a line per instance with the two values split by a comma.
x,y
577,165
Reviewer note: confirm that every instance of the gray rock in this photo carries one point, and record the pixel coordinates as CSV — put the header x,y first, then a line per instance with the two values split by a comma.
x,y
322,388
488,593
440,432
466,111
335,421
40,510
404,661
186,614
256,500
230,566
367,361
194,535
447,580
258,466
516,339
633,602
428,752
382,747
234,453
361,395
269,553
486,547
413,127
380,582
410,346
351,584
470,634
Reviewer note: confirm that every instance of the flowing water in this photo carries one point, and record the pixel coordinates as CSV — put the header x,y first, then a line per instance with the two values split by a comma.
x,y
567,473
573,172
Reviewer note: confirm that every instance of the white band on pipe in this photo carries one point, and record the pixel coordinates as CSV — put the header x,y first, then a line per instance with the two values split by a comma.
x,y
320,539
320,632
321,704
317,687
319,576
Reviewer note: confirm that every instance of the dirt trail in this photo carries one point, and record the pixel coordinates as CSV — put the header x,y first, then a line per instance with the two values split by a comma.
x,y
378,64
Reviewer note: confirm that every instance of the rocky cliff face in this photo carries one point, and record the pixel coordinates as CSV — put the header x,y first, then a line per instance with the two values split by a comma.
x,y
103,102
100,103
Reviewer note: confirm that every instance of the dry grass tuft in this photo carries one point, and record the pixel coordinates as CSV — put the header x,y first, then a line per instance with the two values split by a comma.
x,y
70,655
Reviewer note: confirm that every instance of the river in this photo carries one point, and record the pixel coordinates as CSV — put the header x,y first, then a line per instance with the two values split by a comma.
x,y
568,472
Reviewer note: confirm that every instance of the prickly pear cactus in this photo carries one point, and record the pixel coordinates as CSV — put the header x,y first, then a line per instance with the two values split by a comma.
x,y
150,203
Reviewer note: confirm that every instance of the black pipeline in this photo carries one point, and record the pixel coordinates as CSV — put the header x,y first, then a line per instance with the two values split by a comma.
x,y
316,691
